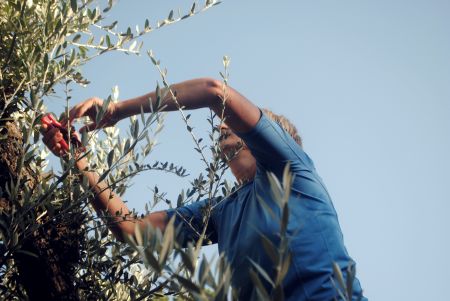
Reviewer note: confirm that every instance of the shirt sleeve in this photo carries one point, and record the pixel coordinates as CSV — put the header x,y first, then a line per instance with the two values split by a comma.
x,y
273,147
189,223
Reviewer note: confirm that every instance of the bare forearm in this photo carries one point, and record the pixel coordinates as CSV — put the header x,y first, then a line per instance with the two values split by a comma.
x,y
239,113
106,201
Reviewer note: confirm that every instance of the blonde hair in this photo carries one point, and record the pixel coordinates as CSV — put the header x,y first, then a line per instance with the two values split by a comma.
x,y
285,124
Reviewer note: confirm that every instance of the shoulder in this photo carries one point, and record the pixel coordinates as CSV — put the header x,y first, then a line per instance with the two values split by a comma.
x,y
273,146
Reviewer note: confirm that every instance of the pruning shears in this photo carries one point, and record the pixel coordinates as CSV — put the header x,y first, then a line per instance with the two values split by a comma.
x,y
49,120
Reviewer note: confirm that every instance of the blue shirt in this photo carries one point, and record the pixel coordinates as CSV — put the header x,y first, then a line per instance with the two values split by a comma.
x,y
237,222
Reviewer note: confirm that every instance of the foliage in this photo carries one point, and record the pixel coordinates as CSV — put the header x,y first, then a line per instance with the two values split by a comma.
x,y
45,215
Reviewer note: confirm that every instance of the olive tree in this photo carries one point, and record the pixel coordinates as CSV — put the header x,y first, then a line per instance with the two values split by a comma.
x,y
52,246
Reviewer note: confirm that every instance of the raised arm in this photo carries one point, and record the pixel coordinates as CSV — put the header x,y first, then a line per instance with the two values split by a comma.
x,y
240,114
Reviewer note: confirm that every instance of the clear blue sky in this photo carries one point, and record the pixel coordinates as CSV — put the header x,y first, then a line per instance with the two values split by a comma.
x,y
368,85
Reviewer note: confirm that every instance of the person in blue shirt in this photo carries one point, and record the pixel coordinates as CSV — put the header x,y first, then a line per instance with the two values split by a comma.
x,y
259,142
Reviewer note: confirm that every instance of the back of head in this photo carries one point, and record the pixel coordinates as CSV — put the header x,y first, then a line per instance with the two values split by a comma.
x,y
285,124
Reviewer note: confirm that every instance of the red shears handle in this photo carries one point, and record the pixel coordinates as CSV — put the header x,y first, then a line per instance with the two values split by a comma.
x,y
50,120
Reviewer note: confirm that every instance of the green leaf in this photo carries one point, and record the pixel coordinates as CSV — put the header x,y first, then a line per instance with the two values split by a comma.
x,y
263,295
351,273
138,234
167,243
284,268
338,275
262,272
286,175
275,188
135,129
110,157
266,207
34,98
72,55
151,260
287,183
108,41
84,138
187,261
103,176
158,95
270,249
36,136
142,115
74,5
187,284
76,38
154,61
127,146
28,253
180,200
203,270
45,61
284,218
